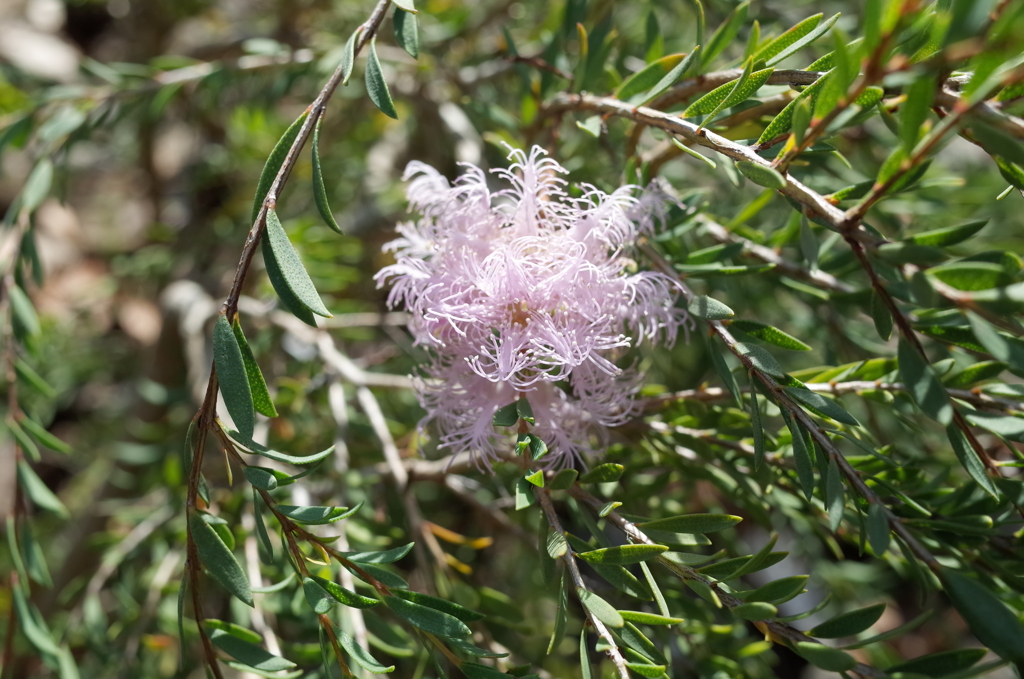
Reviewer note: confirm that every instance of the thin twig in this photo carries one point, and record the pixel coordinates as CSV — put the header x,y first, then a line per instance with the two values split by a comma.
x,y
577,579
778,631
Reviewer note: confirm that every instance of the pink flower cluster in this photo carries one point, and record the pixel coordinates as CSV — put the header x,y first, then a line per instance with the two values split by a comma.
x,y
527,291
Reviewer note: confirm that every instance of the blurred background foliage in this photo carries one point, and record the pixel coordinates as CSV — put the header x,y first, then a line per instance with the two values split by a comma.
x,y
158,116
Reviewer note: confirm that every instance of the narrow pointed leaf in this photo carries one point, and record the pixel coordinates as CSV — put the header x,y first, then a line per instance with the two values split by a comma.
x,y
642,618
693,523
599,608
342,595
923,384
622,555
969,460
319,190
769,334
709,309
603,473
232,377
38,492
848,624
249,654
376,86
461,612
360,654
274,163
804,41
826,658
990,620
387,556
257,385
780,43
314,516
426,618
406,33
878,529
219,560
761,175
293,274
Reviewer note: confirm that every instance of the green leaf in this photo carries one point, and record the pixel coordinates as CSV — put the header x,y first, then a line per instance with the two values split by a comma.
x,y
784,120
603,473
234,630
315,516
536,478
317,597
23,310
599,608
274,163
755,423
716,100
893,633
563,480
37,186
1003,348
914,111
258,449
950,235
642,618
881,316
693,523
725,33
407,5
923,384
755,610
674,75
276,587
43,436
1007,426
821,405
762,360
525,411
338,593
586,669
802,458
29,446
319,190
376,86
690,152
219,560
848,624
475,651
646,670
388,556
623,554
257,385
878,529
288,275
35,380
348,56
525,496
826,658
232,377
969,459
382,575
940,664
834,495
261,477
762,175
979,372
360,654
38,492
971,276
777,591
506,416
556,545
988,617
462,613
709,309
794,46
249,654
426,618
406,33
647,77
34,560
722,368
808,243
29,623
561,616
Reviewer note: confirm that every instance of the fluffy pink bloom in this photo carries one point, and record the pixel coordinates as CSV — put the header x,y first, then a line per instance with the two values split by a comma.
x,y
527,292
